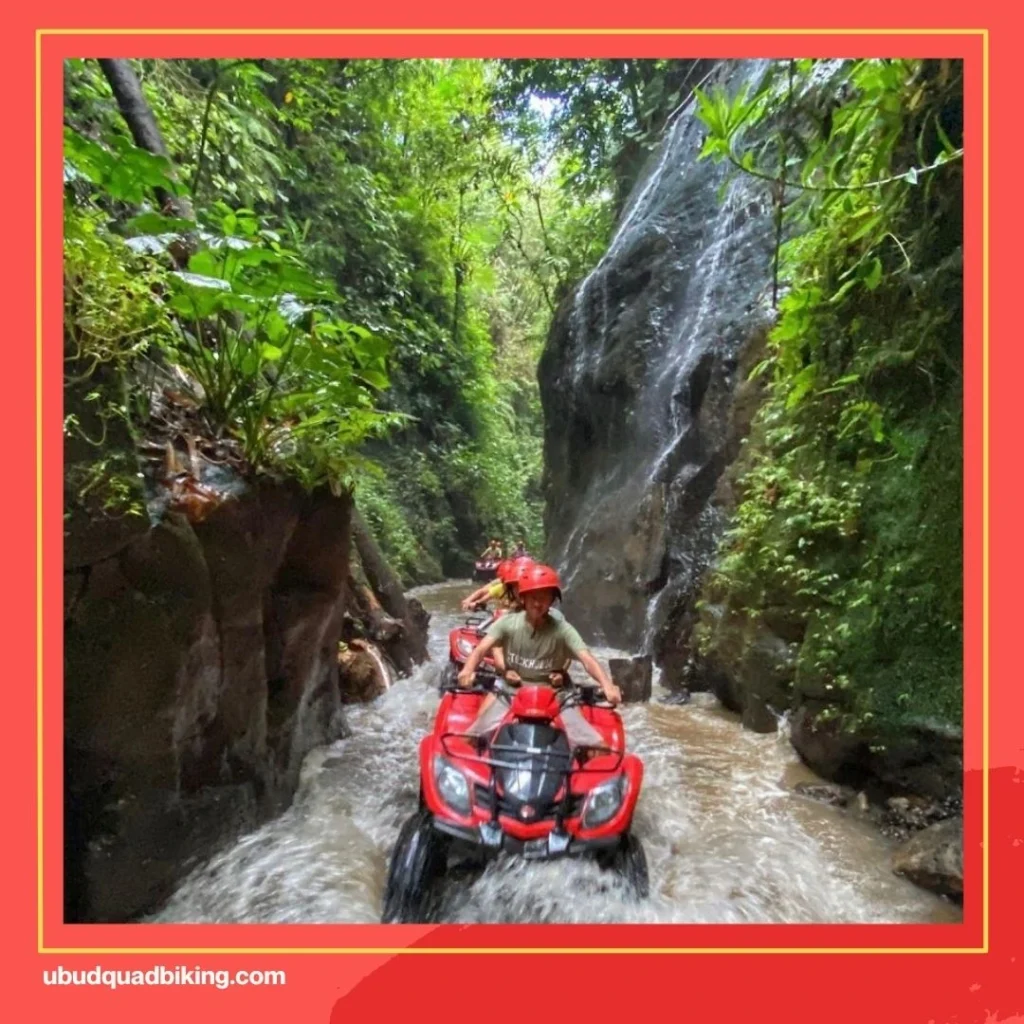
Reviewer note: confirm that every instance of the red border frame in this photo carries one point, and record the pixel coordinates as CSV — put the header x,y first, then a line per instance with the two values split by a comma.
x,y
916,972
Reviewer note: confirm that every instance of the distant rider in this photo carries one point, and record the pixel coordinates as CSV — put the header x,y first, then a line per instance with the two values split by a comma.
x,y
493,552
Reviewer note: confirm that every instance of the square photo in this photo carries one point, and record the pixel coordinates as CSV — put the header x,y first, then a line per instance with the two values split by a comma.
x,y
513,491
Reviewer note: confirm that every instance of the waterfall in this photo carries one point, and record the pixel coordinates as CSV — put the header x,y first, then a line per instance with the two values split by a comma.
x,y
647,364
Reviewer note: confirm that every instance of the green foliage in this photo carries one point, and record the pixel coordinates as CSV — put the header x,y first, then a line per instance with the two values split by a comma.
x,y
426,219
110,323
605,116
122,171
109,313
405,533
256,331
831,139
372,255
250,325
850,485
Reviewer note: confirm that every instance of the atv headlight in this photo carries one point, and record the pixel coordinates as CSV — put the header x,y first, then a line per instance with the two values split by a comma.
x,y
603,802
452,785
464,646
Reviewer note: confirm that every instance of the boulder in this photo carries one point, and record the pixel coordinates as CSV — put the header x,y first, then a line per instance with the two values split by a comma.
x,y
757,715
677,697
747,665
903,815
826,793
363,675
934,858
633,677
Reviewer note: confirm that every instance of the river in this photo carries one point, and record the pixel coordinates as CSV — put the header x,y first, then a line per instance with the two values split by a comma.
x,y
727,839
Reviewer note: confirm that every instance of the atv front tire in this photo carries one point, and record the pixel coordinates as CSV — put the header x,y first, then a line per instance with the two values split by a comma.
x,y
629,861
449,677
417,862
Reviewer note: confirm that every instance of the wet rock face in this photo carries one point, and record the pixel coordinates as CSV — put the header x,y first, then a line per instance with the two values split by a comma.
x,y
746,664
934,858
924,759
200,667
643,382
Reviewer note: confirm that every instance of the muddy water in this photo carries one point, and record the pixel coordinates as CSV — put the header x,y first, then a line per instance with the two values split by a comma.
x,y
726,839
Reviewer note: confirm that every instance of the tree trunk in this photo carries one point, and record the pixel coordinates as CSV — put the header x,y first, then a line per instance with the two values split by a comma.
x,y
142,124
387,586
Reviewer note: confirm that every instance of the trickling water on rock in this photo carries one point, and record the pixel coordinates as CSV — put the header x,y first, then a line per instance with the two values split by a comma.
x,y
726,838
644,387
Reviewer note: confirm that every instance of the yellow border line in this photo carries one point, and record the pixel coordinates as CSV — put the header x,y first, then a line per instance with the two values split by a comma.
x,y
42,948
39,475
524,950
984,493
511,32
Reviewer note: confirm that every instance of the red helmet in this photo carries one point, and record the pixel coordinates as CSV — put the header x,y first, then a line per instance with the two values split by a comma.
x,y
519,566
539,577
506,571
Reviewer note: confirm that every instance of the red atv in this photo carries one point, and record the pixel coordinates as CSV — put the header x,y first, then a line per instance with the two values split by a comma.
x,y
485,569
461,642
523,791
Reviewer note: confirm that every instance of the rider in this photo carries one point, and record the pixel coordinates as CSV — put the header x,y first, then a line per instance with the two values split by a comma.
x,y
520,550
492,551
537,649
503,589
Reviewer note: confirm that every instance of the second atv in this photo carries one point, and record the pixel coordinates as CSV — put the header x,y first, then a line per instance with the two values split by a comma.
x,y
485,569
461,642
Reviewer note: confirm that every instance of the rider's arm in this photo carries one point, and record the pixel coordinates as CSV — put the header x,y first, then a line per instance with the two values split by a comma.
x,y
469,669
597,673
477,596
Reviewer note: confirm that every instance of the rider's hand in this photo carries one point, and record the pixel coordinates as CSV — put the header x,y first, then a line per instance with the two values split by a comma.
x,y
612,694
513,677
467,605
465,678
557,679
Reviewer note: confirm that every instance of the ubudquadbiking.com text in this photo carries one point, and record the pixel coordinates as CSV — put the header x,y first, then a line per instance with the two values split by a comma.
x,y
114,979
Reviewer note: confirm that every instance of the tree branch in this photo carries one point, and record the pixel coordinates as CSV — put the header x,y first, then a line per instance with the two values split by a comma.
x,y
842,188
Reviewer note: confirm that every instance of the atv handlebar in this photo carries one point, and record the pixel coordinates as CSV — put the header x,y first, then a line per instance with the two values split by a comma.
x,y
582,693
569,694
483,682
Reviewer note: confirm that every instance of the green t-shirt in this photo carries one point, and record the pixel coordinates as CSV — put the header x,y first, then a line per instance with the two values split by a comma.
x,y
535,654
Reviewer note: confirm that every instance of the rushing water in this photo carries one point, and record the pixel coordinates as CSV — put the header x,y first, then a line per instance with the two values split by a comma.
x,y
726,839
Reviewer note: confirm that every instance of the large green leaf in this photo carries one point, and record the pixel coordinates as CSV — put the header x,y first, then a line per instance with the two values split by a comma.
x,y
801,385
196,296
153,223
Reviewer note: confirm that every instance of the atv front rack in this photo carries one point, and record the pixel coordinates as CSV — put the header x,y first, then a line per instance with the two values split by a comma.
x,y
559,761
